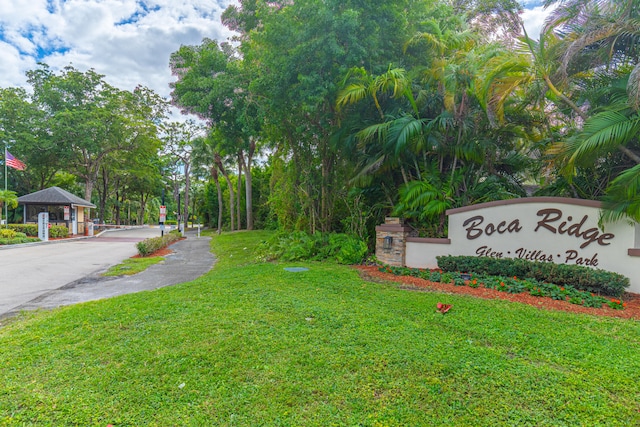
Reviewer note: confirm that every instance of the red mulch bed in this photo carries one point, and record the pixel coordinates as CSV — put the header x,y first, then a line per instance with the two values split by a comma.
x,y
159,252
631,311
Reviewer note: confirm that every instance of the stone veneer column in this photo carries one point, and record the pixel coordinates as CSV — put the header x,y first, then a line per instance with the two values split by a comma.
x,y
399,232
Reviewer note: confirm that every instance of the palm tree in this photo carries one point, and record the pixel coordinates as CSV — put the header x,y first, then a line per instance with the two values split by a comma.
x,y
600,51
433,129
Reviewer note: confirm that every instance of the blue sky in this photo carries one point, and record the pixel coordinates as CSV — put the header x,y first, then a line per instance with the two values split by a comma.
x,y
129,41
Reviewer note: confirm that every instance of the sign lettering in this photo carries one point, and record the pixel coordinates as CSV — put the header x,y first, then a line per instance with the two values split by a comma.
x,y
590,235
474,230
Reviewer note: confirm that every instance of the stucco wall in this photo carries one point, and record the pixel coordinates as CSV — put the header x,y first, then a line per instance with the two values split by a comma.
x,y
539,229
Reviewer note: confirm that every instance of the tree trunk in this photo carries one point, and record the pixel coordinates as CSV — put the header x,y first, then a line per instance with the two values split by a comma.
x,y
239,192
187,186
143,203
232,203
117,206
248,184
214,174
102,193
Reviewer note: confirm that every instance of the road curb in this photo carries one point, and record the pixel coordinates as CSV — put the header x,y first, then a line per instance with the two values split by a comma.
x,y
69,239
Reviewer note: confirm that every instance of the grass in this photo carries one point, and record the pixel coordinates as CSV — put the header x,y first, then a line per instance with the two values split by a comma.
x,y
132,266
251,344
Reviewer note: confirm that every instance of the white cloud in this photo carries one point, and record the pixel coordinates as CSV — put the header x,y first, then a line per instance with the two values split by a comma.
x,y
128,41
534,20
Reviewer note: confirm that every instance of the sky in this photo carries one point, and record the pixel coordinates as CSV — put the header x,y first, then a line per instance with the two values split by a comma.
x,y
128,41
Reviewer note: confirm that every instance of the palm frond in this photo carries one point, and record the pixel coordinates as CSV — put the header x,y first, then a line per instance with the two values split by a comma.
x,y
604,31
623,197
602,133
351,94
403,131
633,87
432,40
367,170
378,131
394,80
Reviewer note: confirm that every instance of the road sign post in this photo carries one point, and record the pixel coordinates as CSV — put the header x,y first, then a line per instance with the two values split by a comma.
x,y
162,218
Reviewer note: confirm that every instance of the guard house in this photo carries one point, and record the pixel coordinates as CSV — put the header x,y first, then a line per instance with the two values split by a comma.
x,y
64,208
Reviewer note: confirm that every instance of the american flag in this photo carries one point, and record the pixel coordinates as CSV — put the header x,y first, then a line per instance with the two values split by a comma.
x,y
13,162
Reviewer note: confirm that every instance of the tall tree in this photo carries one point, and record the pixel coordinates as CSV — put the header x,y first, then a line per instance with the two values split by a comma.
x,y
213,83
302,50
88,119
179,141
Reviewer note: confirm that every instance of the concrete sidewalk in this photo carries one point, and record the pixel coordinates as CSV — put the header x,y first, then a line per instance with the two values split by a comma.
x,y
191,259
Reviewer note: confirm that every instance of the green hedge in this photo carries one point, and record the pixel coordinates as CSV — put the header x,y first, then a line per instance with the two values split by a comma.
x,y
18,240
149,246
58,231
580,277
31,230
12,237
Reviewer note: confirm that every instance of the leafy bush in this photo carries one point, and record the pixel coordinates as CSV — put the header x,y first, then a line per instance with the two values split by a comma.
x,y
580,277
30,230
512,285
342,248
9,236
7,233
58,231
16,239
149,246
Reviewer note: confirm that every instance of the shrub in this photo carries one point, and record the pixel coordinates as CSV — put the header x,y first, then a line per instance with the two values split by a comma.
x,y
58,231
149,246
580,277
298,245
7,233
30,230
12,237
350,250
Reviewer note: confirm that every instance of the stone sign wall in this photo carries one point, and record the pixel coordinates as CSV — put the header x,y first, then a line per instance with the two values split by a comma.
x,y
545,229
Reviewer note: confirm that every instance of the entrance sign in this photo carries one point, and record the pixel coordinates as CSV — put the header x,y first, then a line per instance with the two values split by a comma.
x,y
43,226
544,229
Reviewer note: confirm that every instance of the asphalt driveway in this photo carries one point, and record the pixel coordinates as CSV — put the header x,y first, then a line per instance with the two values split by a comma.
x,y
61,273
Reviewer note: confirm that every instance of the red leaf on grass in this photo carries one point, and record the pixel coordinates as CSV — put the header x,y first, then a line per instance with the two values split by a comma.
x,y
443,308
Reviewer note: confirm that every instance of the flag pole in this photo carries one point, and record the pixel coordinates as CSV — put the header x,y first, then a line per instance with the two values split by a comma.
x,y
6,211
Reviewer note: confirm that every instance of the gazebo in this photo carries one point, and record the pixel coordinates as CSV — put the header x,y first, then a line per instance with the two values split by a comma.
x,y
62,206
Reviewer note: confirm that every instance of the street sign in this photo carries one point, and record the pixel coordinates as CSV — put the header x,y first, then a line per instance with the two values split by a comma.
x,y
163,214
43,226
66,213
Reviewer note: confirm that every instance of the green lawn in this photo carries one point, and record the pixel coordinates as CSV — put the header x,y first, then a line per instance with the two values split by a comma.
x,y
251,344
131,266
